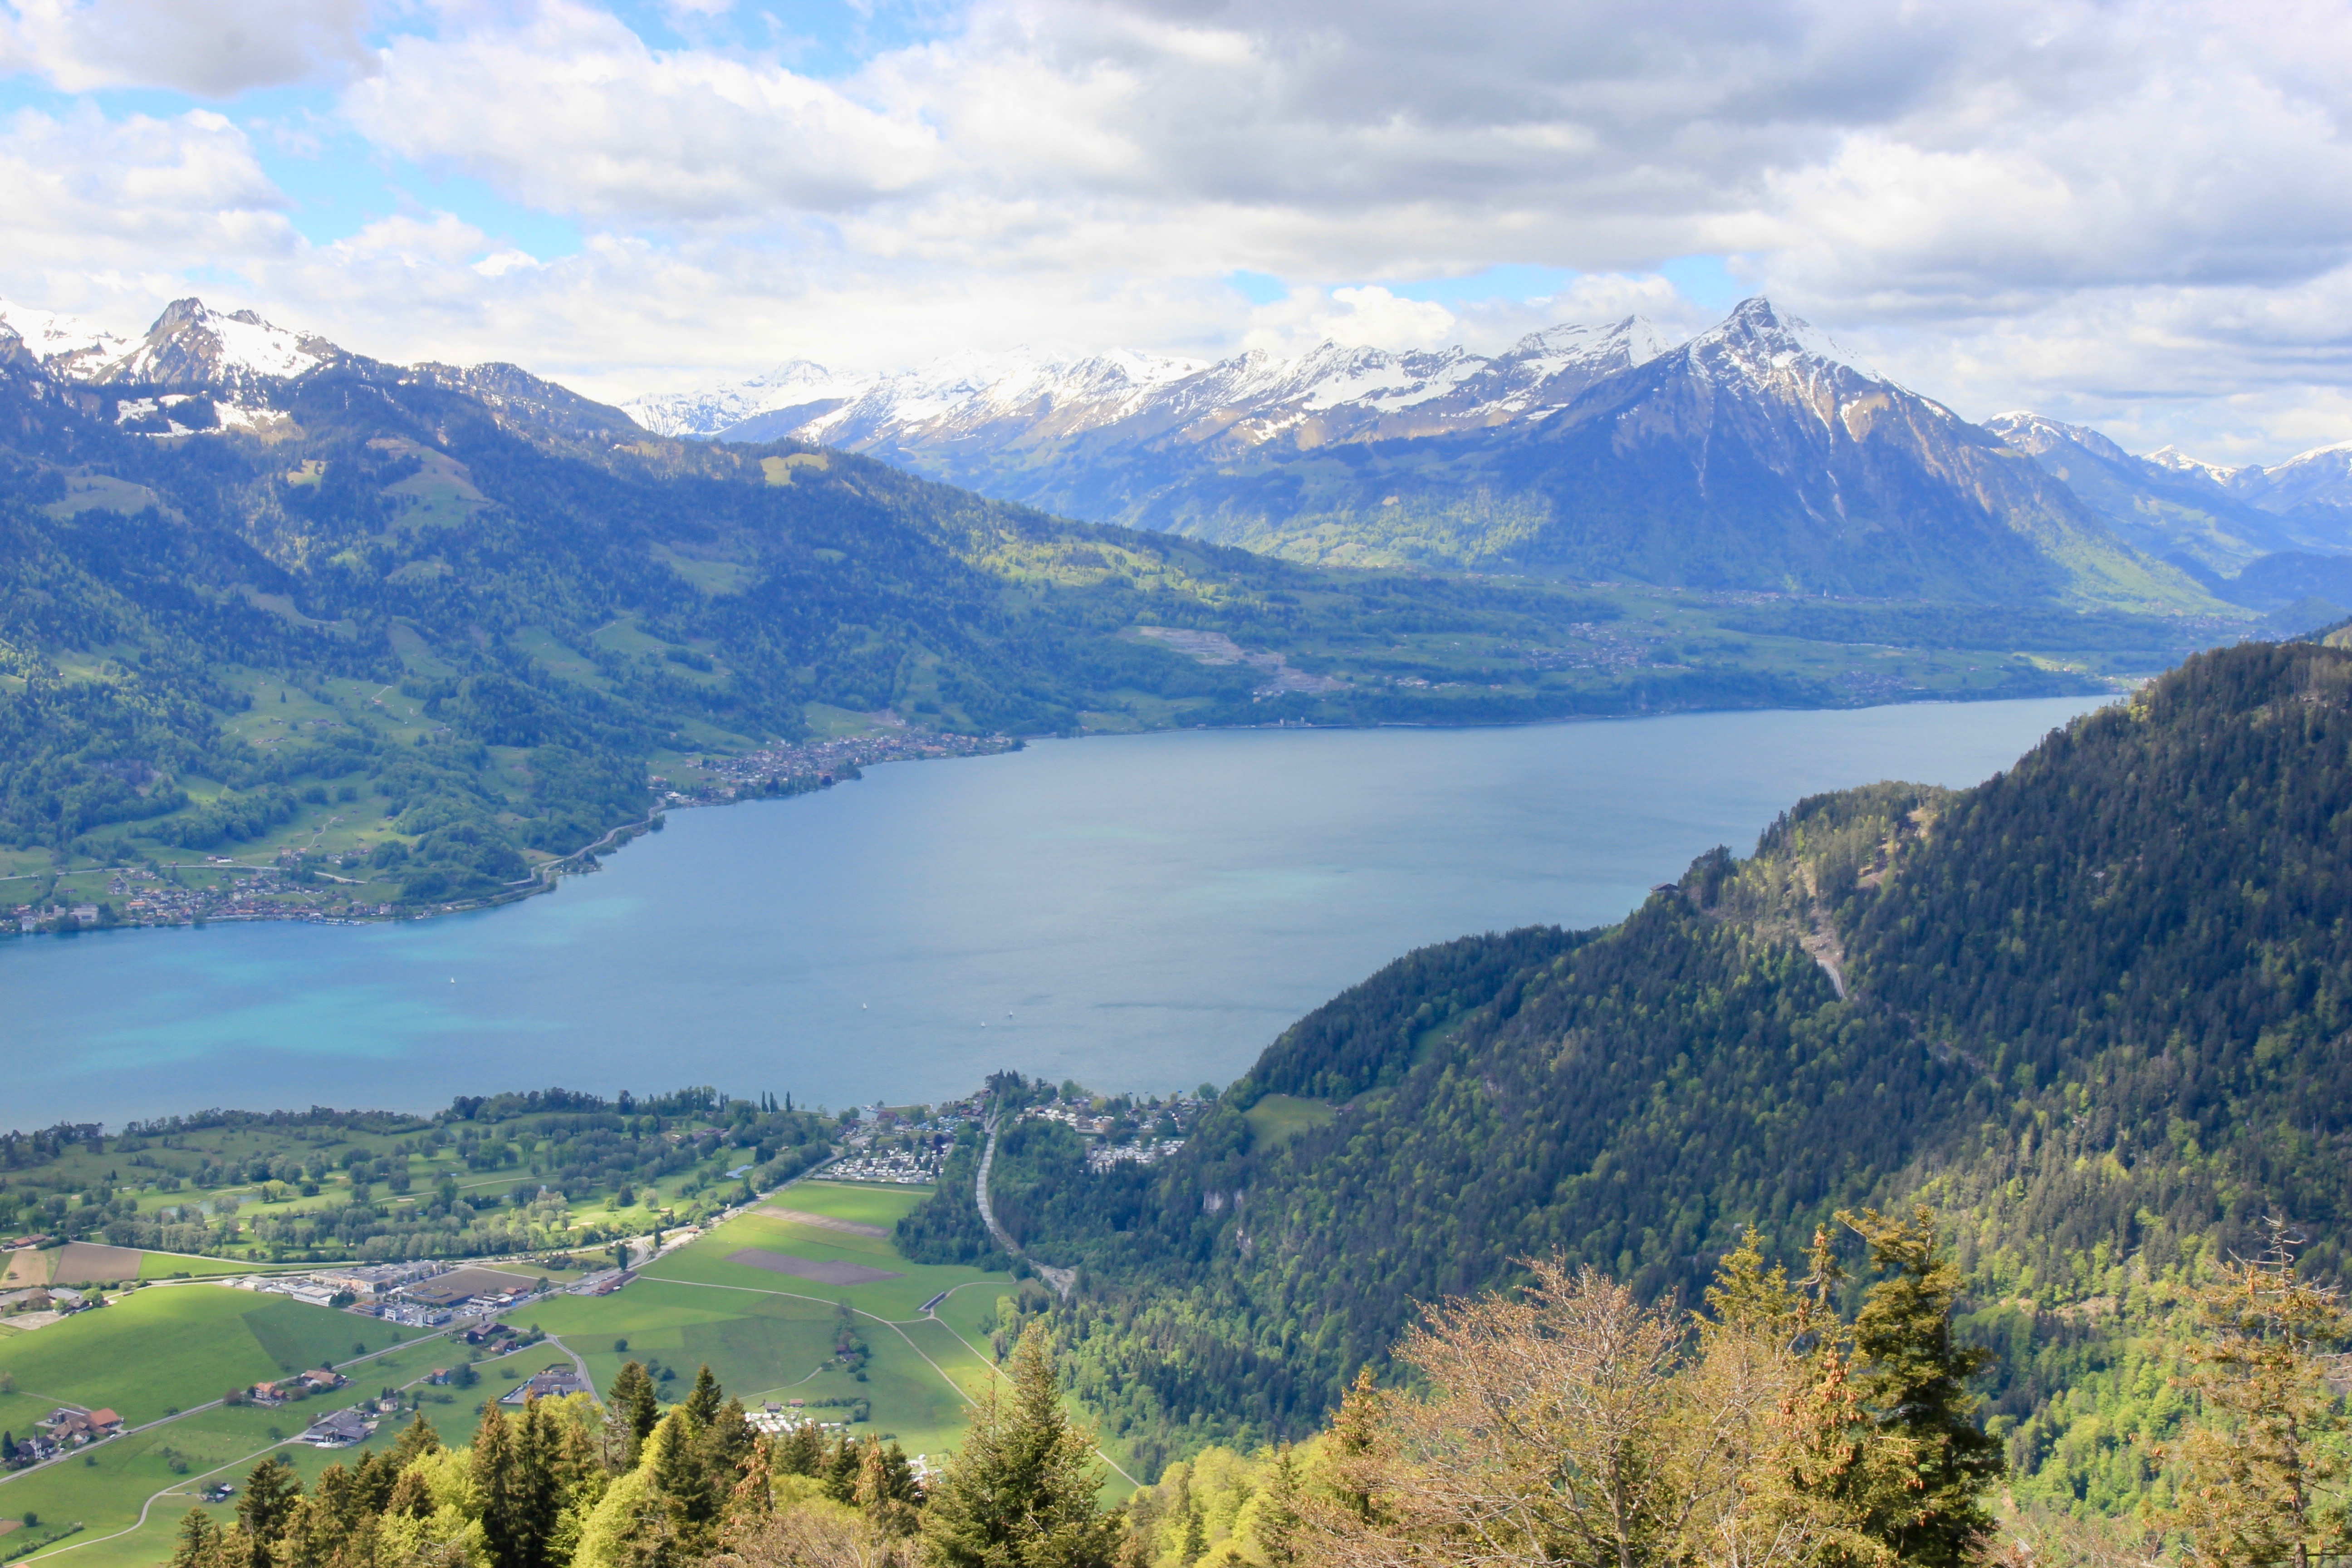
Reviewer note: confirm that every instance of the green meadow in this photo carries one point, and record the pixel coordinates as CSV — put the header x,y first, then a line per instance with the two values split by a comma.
x,y
770,1336
156,1351
163,1349
765,1335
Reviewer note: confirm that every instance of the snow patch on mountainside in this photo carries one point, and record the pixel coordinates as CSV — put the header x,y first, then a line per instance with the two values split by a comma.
x,y
2317,480
2036,434
192,344
62,343
2175,459
1331,392
710,409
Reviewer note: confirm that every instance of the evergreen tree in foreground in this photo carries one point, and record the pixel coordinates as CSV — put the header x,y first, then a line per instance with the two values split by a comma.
x,y
1019,1492
271,1492
633,1412
1914,1381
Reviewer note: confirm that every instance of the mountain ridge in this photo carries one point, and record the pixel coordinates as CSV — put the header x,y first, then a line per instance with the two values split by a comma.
x,y
1359,456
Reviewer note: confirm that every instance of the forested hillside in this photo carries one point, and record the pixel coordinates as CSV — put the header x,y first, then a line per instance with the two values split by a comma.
x,y
2094,1009
432,626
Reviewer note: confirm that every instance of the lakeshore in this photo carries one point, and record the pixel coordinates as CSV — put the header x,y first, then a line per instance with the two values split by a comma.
x,y
295,885
1137,912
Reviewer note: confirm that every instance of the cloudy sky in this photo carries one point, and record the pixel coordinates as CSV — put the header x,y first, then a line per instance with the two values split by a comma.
x,y
2139,215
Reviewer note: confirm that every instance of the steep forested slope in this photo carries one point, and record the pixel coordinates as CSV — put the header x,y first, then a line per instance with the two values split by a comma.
x,y
2095,1007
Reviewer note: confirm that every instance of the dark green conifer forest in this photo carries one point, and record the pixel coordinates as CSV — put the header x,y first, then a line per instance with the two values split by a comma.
x,y
2095,1010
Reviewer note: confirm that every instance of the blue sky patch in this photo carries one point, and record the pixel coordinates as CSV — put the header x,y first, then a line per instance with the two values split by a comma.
x,y
1704,280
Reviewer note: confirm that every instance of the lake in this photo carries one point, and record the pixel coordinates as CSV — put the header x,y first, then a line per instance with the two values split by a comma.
x,y
1141,913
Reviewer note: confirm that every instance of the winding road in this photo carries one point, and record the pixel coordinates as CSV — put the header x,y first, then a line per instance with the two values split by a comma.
x,y
1061,1279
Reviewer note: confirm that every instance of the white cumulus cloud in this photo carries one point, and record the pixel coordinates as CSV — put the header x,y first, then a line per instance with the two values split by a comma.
x,y
2131,211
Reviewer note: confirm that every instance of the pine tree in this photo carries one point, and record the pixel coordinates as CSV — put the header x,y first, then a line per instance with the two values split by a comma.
x,y
1195,1545
634,1412
802,1453
704,1402
416,1440
411,1497
502,1491
271,1491
1277,1510
199,1538
754,1496
1914,1380
673,1455
539,1450
877,1495
1355,1446
1019,1492
727,1444
371,1480
841,1466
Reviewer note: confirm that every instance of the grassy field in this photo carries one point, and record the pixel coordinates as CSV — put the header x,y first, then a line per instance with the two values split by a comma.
x,y
1278,1118
770,1336
158,1350
106,1488
764,1335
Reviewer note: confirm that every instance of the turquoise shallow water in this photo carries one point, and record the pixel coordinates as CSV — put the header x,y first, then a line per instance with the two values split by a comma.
x,y
1139,912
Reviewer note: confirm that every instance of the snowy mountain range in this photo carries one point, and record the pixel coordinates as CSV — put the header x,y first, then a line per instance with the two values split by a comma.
x,y
1331,394
1756,455
190,345
1172,442
197,370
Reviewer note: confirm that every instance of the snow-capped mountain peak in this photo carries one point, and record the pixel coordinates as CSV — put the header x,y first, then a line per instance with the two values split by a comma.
x,y
708,409
2035,434
2175,459
1332,392
1760,338
2320,478
1633,341
191,345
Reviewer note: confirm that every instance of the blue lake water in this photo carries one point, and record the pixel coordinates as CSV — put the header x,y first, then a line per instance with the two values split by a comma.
x,y
1137,912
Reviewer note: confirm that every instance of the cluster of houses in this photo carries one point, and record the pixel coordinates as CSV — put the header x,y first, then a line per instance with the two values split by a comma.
x,y
64,1429
1098,1128
775,1420
341,1428
1101,1157
900,1166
